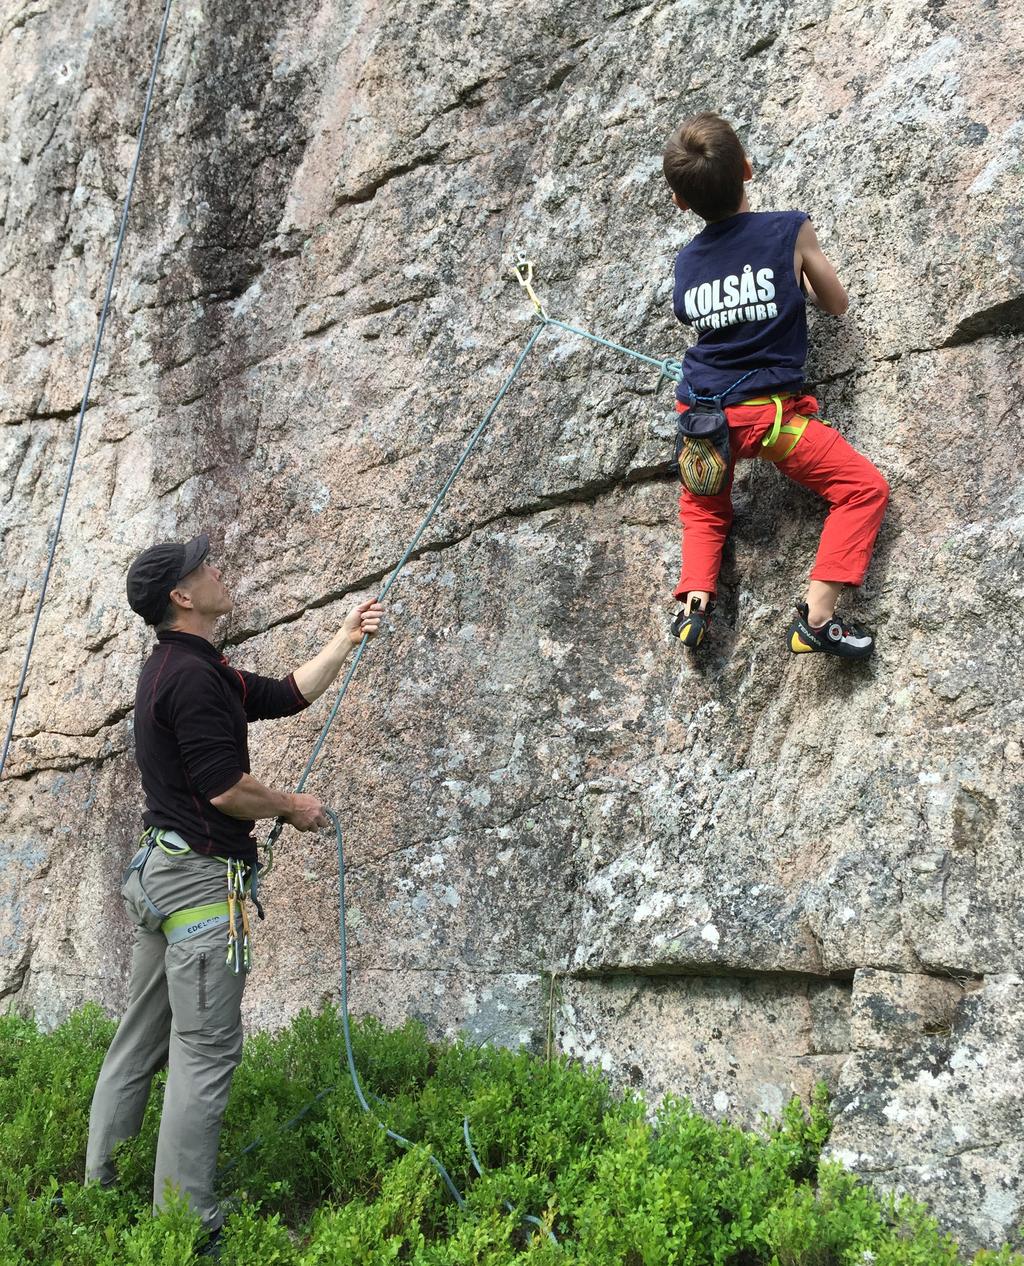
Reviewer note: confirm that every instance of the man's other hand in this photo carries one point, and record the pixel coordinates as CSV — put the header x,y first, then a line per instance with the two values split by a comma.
x,y
306,813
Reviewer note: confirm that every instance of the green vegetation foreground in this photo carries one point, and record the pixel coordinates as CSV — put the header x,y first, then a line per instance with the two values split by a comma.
x,y
553,1139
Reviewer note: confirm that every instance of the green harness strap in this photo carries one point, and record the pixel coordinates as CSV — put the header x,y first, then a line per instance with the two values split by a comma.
x,y
174,846
195,919
185,923
795,428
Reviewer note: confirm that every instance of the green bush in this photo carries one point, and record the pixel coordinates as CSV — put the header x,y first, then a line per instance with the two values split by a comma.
x,y
616,1184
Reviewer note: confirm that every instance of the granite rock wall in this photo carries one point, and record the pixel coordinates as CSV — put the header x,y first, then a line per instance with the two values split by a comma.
x,y
724,876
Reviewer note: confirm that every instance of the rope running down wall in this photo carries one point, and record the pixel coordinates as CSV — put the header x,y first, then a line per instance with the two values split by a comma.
x,y
88,387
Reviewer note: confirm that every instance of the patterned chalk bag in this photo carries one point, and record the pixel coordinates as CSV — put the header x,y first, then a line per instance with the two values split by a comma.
x,y
702,447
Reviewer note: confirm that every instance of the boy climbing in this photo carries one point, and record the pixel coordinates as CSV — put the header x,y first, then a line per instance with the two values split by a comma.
x,y
741,283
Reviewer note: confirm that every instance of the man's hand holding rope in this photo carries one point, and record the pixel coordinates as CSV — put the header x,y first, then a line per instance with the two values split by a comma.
x,y
249,798
314,677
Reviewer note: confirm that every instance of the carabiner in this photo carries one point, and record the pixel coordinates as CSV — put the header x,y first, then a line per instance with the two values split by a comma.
x,y
523,272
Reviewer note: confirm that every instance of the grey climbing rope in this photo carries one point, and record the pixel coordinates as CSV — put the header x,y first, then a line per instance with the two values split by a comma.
x,y
400,1139
399,567
311,761
88,386
668,369
523,271
526,1218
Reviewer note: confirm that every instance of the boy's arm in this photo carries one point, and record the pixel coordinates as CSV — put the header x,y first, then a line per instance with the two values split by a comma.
x,y
823,286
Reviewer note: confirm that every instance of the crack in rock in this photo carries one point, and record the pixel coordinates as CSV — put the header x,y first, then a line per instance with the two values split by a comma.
x,y
367,192
998,320
583,494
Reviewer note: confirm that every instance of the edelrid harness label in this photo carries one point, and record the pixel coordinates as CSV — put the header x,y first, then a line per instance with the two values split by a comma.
x,y
192,928
186,923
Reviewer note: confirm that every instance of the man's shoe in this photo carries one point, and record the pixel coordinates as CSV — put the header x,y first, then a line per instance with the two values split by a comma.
x,y
691,623
835,637
212,1246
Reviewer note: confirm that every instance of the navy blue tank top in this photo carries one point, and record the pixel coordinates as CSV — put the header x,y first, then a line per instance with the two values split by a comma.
x,y
736,286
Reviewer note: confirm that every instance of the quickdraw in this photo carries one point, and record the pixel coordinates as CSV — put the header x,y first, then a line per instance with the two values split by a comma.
x,y
239,957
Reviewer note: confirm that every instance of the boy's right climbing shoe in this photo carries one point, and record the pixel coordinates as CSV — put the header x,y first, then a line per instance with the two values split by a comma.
x,y
835,637
691,623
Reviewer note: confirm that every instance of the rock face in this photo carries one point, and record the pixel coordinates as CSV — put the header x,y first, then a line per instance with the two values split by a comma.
x,y
725,876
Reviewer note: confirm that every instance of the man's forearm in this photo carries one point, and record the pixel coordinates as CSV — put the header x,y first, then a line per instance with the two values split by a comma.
x,y
314,677
249,799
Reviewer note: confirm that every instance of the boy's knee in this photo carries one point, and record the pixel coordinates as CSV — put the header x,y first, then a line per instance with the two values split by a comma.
x,y
880,488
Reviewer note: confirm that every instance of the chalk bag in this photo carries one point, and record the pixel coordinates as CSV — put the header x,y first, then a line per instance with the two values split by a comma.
x,y
702,447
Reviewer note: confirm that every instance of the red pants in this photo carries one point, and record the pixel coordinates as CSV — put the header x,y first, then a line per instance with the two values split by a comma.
x,y
822,461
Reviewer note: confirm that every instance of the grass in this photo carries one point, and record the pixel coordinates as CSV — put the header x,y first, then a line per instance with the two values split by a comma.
x,y
615,1184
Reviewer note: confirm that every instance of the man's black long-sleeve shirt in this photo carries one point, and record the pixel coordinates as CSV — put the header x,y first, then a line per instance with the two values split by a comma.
x,y
192,710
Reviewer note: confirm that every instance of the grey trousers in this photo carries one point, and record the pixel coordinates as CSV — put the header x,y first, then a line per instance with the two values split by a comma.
x,y
183,1011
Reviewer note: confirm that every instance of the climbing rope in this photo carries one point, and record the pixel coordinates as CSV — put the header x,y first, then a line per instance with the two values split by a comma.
x,y
400,1139
311,761
400,566
668,369
346,1030
672,370
88,387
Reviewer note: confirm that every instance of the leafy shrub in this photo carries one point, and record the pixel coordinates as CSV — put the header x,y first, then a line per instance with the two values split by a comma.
x,y
618,1186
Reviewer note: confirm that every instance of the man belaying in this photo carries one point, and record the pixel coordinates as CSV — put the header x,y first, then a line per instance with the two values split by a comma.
x,y
186,889
742,283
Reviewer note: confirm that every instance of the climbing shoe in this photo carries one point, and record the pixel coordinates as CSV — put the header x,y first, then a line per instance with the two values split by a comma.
x,y
835,637
691,623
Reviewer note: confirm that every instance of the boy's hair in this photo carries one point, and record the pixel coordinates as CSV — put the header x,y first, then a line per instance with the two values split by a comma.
x,y
703,165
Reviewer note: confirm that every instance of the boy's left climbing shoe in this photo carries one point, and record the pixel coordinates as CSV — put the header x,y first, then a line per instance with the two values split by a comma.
x,y
835,637
691,623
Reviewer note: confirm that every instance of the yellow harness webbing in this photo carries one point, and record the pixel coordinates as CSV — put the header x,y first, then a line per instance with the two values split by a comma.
x,y
780,440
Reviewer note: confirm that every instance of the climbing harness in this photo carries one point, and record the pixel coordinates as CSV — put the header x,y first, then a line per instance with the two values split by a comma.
x,y
146,913
242,885
781,440
702,438
88,387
